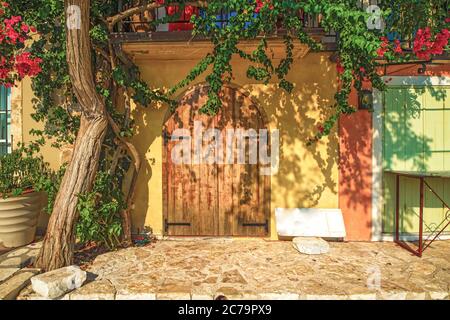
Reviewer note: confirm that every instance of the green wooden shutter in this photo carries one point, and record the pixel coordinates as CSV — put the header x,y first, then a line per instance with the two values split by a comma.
x,y
5,120
416,138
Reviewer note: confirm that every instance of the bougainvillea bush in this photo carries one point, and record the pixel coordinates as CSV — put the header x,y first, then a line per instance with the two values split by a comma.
x,y
15,61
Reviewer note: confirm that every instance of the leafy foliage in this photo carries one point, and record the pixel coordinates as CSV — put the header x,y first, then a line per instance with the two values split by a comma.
x,y
357,48
100,220
21,172
118,80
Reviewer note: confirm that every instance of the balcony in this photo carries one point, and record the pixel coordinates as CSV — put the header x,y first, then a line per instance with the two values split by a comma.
x,y
140,29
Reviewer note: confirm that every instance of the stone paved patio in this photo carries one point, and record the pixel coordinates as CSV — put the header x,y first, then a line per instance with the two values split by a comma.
x,y
258,269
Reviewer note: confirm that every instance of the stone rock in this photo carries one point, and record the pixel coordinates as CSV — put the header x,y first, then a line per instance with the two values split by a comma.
x,y
172,291
363,296
11,287
278,296
124,295
392,295
233,276
439,295
326,297
56,283
416,296
6,273
202,297
310,245
422,268
173,296
21,257
95,290
28,294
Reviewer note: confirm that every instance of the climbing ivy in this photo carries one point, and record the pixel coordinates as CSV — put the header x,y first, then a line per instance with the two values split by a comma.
x,y
358,54
357,48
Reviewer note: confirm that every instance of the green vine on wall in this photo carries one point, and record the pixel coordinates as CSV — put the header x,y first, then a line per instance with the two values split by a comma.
x,y
119,82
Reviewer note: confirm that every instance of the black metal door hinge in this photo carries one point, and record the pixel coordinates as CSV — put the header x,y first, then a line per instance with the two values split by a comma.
x,y
167,224
256,224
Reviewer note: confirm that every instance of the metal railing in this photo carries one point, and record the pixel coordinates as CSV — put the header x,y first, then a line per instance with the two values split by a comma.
x,y
424,241
146,27
145,22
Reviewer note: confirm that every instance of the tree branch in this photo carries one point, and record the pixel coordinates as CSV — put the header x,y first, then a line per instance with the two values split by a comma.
x,y
137,166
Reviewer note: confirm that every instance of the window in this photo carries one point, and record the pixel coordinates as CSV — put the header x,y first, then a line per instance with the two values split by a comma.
x,y
5,120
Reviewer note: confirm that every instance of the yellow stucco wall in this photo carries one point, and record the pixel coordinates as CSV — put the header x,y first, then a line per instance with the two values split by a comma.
x,y
307,176
21,124
24,107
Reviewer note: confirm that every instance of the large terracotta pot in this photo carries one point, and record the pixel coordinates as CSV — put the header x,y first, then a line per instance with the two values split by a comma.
x,y
19,217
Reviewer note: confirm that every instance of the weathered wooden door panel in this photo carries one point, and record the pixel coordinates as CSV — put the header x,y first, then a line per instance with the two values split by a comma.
x,y
178,219
211,195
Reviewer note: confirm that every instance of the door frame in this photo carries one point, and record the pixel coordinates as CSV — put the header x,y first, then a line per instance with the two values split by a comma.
x,y
377,150
268,185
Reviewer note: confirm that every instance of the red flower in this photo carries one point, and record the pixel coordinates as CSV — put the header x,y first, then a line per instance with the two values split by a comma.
x,y
24,28
320,128
27,66
12,34
424,46
4,73
339,67
381,52
260,4
398,47
5,4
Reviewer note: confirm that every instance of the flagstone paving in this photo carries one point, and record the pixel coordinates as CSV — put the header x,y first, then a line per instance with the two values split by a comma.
x,y
259,269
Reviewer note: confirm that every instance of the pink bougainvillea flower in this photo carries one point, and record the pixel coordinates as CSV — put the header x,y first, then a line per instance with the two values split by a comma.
x,y
398,47
27,66
260,4
4,73
12,34
339,67
424,47
25,28
381,52
15,62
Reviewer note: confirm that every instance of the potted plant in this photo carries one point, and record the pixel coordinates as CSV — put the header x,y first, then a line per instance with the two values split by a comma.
x,y
24,184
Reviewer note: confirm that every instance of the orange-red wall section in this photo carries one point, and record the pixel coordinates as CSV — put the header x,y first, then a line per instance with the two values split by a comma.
x,y
355,164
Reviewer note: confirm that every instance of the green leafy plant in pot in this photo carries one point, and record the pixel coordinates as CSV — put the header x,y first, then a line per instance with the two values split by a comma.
x,y
27,187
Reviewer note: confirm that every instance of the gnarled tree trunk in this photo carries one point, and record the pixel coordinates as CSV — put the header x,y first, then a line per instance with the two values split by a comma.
x,y
57,249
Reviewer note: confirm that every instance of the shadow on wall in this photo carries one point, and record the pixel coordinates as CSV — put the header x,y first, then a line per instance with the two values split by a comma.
x,y
307,175
415,140
355,173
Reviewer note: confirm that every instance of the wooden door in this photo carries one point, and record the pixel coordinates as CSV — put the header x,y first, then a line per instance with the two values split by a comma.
x,y
206,195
